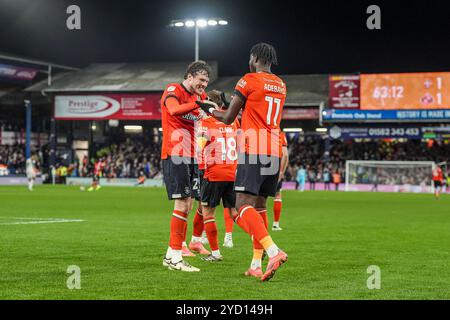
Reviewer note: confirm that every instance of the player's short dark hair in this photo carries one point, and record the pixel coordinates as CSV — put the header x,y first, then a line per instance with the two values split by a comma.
x,y
264,52
197,67
215,96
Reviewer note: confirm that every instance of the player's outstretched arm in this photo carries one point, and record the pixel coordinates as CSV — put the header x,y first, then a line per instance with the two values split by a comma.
x,y
228,116
175,108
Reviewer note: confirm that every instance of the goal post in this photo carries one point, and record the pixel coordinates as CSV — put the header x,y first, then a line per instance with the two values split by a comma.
x,y
389,176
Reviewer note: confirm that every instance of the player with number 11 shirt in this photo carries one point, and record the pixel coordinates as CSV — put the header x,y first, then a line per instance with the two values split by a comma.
x,y
261,94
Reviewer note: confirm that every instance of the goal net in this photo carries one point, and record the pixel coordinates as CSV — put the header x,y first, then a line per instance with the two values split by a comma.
x,y
389,176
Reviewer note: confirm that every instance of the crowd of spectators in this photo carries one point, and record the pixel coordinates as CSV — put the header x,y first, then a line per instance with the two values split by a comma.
x,y
309,152
127,159
132,158
10,126
13,158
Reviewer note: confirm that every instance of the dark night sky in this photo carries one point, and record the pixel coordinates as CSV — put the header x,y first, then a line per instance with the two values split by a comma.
x,y
311,36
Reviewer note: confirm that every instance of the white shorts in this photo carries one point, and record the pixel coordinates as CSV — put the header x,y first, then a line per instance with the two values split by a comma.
x,y
31,175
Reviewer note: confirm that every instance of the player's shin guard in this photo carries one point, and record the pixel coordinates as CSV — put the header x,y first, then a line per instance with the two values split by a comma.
x,y
277,205
198,226
229,223
211,233
177,229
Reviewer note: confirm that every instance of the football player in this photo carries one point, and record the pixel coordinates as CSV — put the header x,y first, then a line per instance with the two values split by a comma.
x,y
218,142
261,94
179,113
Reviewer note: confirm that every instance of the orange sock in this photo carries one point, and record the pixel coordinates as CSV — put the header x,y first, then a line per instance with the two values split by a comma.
x,y
178,226
277,205
198,224
241,223
263,214
211,233
229,223
254,221
185,231
257,254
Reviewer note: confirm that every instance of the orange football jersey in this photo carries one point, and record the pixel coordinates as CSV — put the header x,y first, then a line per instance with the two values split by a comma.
x,y
178,130
264,95
437,174
218,143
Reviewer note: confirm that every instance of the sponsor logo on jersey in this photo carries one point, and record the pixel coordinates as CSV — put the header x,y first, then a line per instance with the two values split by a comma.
x,y
191,117
242,83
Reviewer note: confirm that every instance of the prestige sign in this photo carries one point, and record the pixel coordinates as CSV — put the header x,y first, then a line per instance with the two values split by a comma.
x,y
105,107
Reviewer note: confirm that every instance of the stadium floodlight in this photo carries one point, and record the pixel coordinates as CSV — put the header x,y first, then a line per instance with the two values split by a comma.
x,y
201,23
198,23
94,127
189,23
321,129
293,130
160,129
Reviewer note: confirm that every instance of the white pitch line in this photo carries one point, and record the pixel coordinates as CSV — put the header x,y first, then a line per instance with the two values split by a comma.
x,y
22,218
42,222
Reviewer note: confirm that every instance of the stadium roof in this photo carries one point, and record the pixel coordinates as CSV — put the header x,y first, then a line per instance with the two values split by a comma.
x,y
12,89
303,90
17,59
119,77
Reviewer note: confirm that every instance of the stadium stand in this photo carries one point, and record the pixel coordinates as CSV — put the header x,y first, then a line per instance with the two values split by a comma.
x,y
308,151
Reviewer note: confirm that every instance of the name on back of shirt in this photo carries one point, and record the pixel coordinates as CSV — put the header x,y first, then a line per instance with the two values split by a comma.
x,y
274,88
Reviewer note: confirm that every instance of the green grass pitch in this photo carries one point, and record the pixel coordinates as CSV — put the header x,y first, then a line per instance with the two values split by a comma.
x,y
331,238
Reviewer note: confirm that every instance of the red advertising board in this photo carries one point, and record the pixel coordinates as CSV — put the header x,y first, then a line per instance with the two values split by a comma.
x,y
108,106
344,91
17,73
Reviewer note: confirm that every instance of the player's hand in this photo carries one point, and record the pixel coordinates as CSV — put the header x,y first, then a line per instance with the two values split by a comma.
x,y
281,177
207,106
